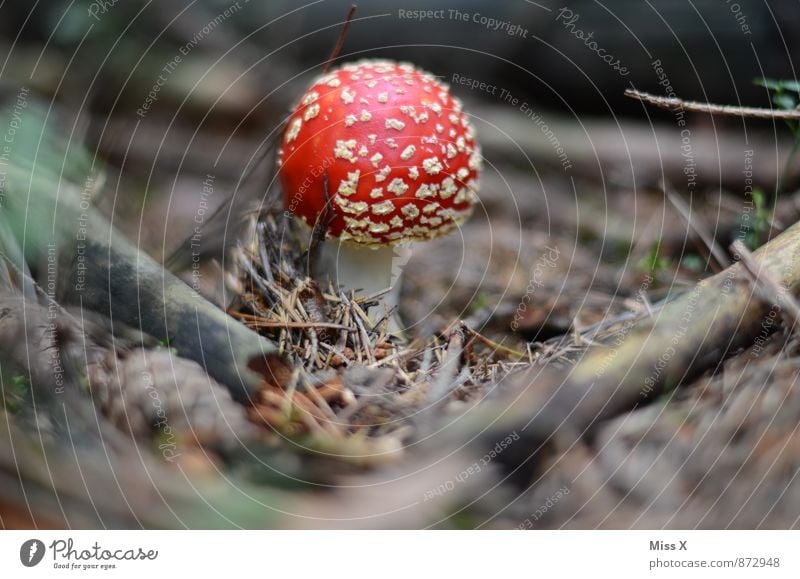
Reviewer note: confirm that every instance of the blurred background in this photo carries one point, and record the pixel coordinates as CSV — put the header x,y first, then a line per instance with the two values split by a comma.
x,y
243,64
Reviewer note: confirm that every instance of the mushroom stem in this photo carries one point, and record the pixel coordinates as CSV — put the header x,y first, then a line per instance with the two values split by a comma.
x,y
368,271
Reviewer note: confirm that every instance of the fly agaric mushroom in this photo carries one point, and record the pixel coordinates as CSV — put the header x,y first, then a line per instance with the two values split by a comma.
x,y
400,160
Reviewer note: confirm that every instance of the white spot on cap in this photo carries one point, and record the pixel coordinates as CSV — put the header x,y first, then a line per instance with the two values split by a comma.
x,y
430,207
408,152
383,97
376,193
349,120
349,186
413,172
463,195
449,188
311,112
383,208
376,159
396,222
334,82
354,207
382,174
475,161
355,223
365,115
432,221
310,98
397,186
378,227
348,96
344,150
424,191
395,124
410,210
432,166
294,130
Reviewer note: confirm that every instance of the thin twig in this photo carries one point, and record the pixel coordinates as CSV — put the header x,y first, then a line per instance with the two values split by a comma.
x,y
674,103
448,370
709,241
491,344
262,323
340,41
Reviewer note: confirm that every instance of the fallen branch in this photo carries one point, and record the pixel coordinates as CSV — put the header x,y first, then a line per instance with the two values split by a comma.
x,y
689,335
766,286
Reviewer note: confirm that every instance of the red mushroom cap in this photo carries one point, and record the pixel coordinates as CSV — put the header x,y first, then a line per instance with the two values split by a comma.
x,y
400,154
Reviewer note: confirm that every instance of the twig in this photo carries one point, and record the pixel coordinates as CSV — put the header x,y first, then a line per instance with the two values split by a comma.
x,y
708,240
340,41
448,370
491,344
262,323
674,103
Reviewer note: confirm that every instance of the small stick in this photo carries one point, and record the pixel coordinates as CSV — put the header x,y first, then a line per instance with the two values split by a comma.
x,y
491,344
358,313
448,370
340,41
768,289
708,240
674,103
262,323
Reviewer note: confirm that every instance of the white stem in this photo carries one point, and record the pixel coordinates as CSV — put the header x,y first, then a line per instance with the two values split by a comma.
x,y
366,270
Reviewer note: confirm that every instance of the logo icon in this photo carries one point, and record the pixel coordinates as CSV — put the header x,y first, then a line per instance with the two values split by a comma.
x,y
32,552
